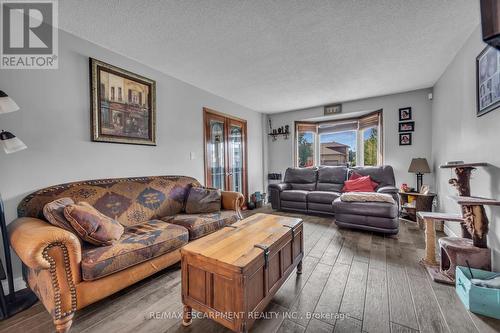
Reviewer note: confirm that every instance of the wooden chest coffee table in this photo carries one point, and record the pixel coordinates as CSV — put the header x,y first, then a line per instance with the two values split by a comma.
x,y
231,275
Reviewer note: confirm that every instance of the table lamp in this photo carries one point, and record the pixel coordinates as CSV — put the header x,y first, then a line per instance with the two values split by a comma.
x,y
419,166
15,301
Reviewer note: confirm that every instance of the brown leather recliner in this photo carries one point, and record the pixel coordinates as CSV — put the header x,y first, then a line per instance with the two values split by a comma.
x,y
67,274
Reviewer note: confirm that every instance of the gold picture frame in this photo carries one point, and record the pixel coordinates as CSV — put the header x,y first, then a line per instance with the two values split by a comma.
x,y
123,105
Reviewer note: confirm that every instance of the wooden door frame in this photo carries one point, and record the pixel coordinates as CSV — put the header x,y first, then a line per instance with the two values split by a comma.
x,y
210,112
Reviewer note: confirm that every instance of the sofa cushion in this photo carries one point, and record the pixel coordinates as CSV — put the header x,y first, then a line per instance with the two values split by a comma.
x,y
322,197
380,209
294,205
294,195
54,213
383,175
138,244
203,200
318,207
91,225
130,201
301,178
331,178
200,225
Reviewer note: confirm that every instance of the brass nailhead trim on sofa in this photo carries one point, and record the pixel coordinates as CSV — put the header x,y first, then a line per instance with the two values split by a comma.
x,y
55,284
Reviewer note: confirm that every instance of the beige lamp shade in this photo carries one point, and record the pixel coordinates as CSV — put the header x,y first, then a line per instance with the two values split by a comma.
x,y
419,165
7,104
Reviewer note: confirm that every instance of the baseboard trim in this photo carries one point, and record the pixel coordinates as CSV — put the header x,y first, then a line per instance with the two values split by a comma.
x,y
18,284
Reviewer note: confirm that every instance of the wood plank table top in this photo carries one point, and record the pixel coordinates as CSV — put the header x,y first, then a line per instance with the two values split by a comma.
x,y
235,245
475,201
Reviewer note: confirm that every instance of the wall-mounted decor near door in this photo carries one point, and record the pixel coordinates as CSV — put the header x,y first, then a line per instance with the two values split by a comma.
x,y
225,152
123,105
283,131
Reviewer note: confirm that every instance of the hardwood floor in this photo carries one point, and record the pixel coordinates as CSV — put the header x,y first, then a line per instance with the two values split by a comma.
x,y
352,281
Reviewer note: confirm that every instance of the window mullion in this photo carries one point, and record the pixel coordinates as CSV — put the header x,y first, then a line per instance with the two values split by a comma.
x,y
359,147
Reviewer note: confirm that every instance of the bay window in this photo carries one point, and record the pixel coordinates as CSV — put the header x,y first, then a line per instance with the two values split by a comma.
x,y
355,141
305,145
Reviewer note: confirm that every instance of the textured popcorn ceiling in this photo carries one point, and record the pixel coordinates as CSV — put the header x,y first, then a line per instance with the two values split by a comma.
x,y
278,55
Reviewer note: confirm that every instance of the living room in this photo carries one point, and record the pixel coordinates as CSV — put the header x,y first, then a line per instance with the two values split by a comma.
x,y
190,166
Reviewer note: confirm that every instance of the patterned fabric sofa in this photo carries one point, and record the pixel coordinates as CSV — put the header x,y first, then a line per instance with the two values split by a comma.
x,y
67,274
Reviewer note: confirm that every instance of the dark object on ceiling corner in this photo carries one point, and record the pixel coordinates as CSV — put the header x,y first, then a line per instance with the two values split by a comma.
x,y
490,22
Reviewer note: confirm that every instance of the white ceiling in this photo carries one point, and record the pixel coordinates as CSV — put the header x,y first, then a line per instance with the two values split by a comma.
x,y
278,55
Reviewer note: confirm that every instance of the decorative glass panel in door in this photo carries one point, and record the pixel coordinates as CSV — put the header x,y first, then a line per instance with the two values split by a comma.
x,y
216,154
225,152
236,156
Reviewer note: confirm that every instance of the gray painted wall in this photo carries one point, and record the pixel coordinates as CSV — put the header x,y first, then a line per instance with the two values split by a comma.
x,y
457,134
280,152
54,121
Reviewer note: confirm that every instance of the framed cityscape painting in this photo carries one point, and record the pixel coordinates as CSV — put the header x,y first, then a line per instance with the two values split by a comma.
x,y
123,105
488,80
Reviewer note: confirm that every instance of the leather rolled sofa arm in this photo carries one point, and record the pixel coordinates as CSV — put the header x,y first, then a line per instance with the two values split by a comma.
x,y
391,190
53,257
388,190
280,187
275,192
232,201
32,238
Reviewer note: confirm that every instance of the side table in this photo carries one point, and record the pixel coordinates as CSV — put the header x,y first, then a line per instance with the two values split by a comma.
x,y
423,203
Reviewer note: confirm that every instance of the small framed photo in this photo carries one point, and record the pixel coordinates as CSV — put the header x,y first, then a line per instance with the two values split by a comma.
x,y
405,114
405,139
424,189
408,126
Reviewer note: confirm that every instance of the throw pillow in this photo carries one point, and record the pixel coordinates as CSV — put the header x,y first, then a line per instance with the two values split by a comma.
x,y
362,184
54,213
203,200
356,175
91,225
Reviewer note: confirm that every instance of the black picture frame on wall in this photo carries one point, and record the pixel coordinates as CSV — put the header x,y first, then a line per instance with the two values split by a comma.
x,y
405,114
487,81
405,139
407,126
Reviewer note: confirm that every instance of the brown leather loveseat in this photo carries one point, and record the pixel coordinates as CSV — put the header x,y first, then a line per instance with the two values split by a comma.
x,y
68,274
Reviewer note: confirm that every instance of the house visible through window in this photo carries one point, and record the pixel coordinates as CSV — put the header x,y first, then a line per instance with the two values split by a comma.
x,y
338,148
344,142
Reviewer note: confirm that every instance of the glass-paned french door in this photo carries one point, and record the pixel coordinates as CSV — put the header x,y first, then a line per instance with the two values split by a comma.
x,y
225,152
